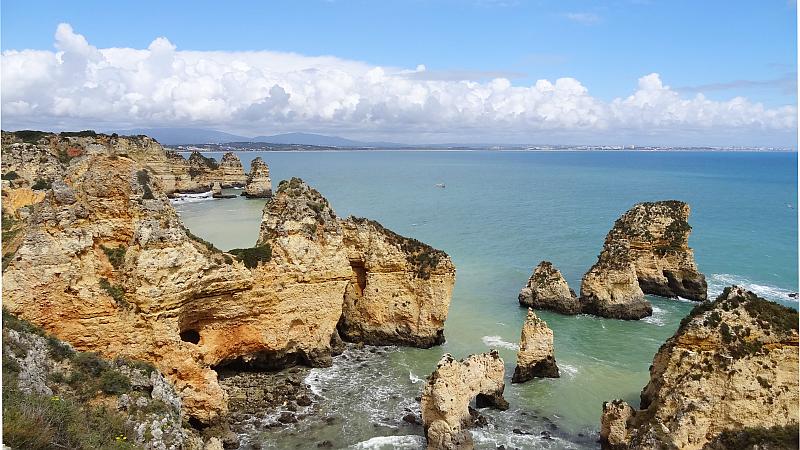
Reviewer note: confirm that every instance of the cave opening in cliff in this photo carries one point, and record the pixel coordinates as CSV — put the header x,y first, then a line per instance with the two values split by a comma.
x,y
190,335
360,273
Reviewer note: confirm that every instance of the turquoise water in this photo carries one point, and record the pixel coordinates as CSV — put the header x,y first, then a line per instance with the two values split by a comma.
x,y
499,215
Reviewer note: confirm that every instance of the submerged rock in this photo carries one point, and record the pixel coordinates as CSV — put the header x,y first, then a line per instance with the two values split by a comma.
x,y
547,289
449,391
731,368
535,356
258,184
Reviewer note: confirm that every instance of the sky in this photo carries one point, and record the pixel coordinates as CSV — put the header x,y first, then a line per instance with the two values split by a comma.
x,y
617,72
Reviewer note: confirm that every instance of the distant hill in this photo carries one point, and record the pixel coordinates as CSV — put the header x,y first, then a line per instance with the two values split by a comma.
x,y
175,136
309,139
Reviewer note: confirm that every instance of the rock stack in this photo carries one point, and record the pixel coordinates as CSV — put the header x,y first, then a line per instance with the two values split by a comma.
x,y
258,184
547,289
646,252
535,356
729,374
449,391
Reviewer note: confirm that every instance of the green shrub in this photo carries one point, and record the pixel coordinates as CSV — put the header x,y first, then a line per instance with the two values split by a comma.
x,y
116,292
251,257
41,184
30,136
59,350
116,256
90,363
113,382
84,133
11,175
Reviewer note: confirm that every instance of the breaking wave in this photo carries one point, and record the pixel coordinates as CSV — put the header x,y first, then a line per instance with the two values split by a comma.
x,y
191,198
497,341
657,318
719,281
390,442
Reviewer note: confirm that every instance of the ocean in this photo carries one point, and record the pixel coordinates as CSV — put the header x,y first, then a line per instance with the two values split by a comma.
x,y
498,216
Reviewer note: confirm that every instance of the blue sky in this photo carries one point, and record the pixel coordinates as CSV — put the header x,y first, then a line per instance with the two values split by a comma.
x,y
722,49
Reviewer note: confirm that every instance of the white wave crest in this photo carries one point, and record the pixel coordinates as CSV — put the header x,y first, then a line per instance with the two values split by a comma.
x,y
569,370
414,379
191,198
657,318
719,281
390,442
497,341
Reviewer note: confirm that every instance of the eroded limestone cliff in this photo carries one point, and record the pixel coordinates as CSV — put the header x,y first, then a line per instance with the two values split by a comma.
x,y
38,159
731,367
104,263
449,391
646,252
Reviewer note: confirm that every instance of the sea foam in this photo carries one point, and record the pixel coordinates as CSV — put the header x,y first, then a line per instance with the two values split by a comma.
x,y
497,341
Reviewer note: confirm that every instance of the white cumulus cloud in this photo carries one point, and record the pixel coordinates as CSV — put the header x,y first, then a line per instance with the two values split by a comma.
x,y
79,85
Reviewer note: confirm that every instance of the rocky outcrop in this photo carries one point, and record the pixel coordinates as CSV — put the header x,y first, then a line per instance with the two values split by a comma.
x,y
449,391
230,172
395,289
732,367
610,288
535,357
646,252
547,289
258,184
105,264
33,156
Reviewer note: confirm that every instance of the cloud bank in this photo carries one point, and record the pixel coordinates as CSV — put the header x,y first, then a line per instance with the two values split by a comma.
x,y
80,85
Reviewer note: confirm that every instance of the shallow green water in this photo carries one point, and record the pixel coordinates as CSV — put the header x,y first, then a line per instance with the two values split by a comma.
x,y
499,215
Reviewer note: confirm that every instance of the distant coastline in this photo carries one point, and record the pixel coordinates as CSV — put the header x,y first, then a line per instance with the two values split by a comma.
x,y
269,147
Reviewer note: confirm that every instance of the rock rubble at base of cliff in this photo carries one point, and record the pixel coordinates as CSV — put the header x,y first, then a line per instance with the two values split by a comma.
x,y
730,372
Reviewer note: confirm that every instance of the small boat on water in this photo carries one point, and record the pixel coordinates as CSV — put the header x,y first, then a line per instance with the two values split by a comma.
x,y
440,185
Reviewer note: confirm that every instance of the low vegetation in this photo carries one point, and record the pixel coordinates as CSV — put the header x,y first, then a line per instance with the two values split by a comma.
x,y
71,417
10,175
116,256
41,184
115,291
252,257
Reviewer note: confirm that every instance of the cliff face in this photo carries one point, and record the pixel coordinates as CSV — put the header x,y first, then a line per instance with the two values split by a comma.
x,y
258,183
731,366
535,357
449,391
547,289
34,156
395,289
105,264
646,252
